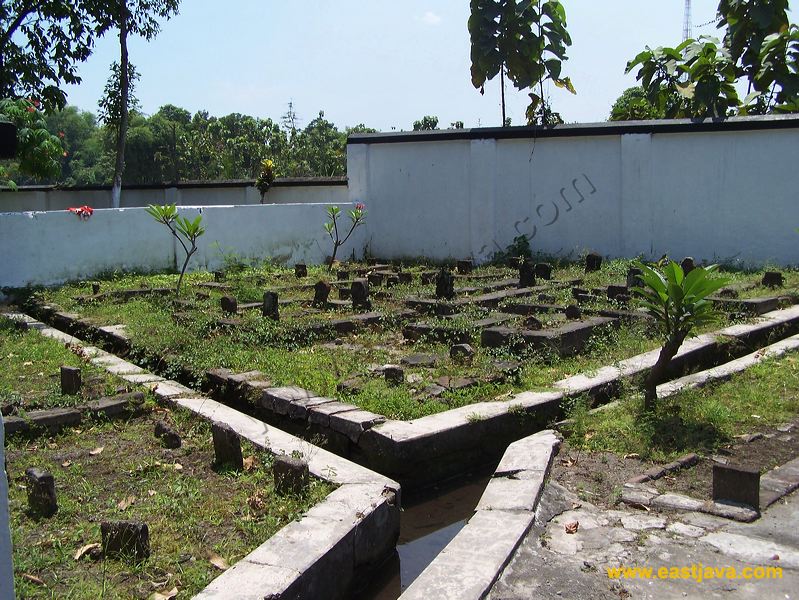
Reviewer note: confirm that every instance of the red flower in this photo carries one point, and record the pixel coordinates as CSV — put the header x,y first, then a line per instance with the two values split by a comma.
x,y
31,109
36,103
65,153
360,206
84,212
61,134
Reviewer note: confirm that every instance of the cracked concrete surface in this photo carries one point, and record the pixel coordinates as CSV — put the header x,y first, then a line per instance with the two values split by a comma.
x,y
552,563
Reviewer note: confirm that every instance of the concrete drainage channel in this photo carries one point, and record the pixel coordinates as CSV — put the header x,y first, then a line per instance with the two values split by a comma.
x,y
509,500
322,555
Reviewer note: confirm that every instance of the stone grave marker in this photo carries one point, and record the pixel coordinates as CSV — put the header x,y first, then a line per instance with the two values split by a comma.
x,y
125,539
70,380
290,473
445,285
229,304
270,308
593,262
300,270
526,273
359,293
687,264
41,492
227,446
543,270
321,293
772,279
464,267
736,484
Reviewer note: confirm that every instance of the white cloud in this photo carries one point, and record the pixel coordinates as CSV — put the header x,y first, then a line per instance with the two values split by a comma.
x,y
430,18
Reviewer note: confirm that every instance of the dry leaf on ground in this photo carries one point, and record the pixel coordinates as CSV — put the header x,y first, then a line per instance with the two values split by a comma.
x,y
84,550
126,502
66,463
572,527
33,579
164,595
97,450
249,463
216,560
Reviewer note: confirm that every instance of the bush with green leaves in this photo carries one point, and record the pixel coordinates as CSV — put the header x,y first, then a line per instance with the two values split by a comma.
x,y
182,229
266,177
679,304
357,218
39,152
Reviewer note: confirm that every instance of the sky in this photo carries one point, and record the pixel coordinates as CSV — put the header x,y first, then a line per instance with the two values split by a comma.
x,y
382,63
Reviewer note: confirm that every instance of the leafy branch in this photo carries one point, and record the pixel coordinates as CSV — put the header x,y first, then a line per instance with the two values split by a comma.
x,y
182,229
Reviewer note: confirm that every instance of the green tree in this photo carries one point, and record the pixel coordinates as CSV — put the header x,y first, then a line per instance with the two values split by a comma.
x,y
129,17
633,105
679,304
39,152
426,123
759,47
41,43
525,40
85,163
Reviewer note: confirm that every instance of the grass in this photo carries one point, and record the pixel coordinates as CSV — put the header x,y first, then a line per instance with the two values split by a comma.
x,y
289,355
30,371
192,509
700,420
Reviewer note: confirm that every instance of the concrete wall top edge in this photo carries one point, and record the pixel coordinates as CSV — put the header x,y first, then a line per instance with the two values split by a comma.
x,y
584,129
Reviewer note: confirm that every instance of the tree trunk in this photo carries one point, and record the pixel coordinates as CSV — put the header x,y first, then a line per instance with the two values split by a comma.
x,y
657,374
502,90
124,89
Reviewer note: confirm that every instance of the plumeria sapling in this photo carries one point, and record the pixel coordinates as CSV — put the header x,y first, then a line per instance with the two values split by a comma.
x,y
357,217
182,229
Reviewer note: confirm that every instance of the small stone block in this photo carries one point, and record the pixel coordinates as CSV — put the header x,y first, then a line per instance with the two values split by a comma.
x,y
736,484
543,270
227,446
526,273
445,285
687,265
125,539
321,293
169,437
41,492
270,308
95,288
773,279
300,270
593,262
635,277
464,266
573,312
359,293
229,304
70,380
462,353
394,374
291,475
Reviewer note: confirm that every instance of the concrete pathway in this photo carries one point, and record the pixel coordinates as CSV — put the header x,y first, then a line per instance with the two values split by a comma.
x,y
552,563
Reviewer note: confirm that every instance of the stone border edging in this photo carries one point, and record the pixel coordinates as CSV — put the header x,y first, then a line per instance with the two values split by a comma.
x,y
469,565
354,528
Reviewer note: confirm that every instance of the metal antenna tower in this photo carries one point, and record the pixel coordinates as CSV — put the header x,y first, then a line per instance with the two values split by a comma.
x,y
687,28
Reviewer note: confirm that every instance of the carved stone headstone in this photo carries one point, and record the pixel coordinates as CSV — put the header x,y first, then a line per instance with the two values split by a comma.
x,y
229,304
128,539
464,267
445,284
462,353
593,262
736,484
70,380
290,473
321,292
543,270
95,288
526,273
394,374
227,446
271,308
573,312
687,265
41,492
343,275
301,270
359,293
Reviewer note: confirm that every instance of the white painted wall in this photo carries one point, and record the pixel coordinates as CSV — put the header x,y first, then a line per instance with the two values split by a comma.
x,y
729,196
53,247
61,199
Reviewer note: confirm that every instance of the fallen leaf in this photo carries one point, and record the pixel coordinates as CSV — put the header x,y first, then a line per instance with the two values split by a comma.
x,y
151,492
84,550
756,417
177,467
33,579
66,463
572,527
216,560
633,455
126,502
249,463
164,595
96,451
27,363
